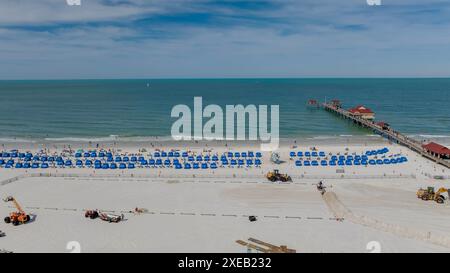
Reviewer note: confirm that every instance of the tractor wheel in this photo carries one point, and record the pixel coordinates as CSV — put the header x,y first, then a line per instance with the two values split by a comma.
x,y
27,218
15,223
7,220
424,198
440,200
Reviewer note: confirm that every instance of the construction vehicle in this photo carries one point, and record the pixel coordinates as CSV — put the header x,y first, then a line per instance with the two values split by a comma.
x,y
261,246
2,234
275,176
18,217
429,194
108,217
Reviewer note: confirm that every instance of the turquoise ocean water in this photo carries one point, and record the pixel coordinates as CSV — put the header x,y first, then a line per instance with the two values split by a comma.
x,y
140,108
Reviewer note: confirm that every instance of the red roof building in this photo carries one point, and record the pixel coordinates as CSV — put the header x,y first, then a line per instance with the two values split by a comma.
x,y
362,112
437,150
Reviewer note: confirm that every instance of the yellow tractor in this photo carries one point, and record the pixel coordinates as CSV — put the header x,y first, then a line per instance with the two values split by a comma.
x,y
429,194
275,176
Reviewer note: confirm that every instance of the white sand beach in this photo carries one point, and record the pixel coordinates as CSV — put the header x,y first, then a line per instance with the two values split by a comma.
x,y
207,210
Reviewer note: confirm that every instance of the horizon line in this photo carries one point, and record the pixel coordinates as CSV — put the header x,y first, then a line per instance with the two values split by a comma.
x,y
230,78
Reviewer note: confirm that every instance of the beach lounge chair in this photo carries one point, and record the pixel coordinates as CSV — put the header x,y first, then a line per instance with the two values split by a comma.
x,y
379,162
163,154
26,165
314,163
122,166
187,166
118,159
308,154
258,155
251,154
126,159
300,154
113,166
244,154
306,163
18,165
298,163
323,163
131,166
292,154
44,166
322,154
133,159
341,163
258,162
213,165
332,163
314,154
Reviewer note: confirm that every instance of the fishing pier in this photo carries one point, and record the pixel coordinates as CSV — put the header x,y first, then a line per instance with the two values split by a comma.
x,y
364,117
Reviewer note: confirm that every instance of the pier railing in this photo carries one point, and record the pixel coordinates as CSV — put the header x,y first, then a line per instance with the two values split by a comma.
x,y
391,134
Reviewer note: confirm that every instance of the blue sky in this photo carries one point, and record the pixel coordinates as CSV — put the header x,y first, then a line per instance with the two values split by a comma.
x,y
48,39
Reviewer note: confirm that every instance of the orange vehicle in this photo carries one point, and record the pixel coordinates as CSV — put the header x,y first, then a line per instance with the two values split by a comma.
x,y
18,217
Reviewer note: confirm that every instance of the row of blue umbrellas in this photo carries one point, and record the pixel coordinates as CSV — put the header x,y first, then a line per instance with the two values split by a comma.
x,y
385,161
323,154
168,154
